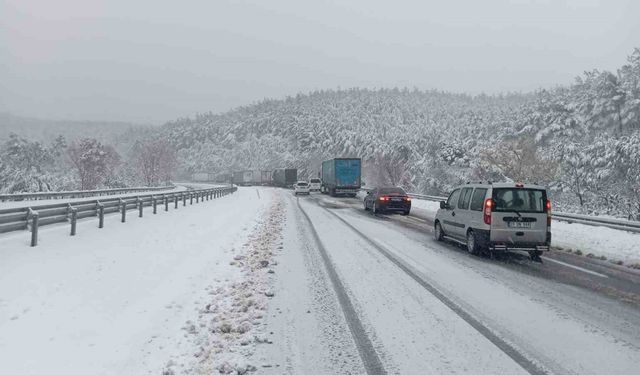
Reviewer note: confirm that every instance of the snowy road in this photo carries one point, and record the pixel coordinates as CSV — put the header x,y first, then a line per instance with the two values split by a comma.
x,y
261,281
427,307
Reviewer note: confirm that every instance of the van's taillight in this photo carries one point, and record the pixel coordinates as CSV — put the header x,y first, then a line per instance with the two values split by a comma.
x,y
548,205
488,205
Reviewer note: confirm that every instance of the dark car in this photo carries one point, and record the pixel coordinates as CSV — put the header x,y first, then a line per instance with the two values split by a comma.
x,y
387,199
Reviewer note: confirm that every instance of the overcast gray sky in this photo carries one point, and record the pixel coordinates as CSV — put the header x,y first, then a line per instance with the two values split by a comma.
x,y
154,60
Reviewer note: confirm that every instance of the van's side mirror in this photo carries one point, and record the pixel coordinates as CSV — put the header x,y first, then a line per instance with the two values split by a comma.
x,y
443,205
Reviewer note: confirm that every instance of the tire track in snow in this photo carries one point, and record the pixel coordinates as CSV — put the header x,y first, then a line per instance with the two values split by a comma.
x,y
529,365
368,354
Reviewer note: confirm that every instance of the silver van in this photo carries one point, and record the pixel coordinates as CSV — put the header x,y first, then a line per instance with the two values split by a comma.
x,y
497,217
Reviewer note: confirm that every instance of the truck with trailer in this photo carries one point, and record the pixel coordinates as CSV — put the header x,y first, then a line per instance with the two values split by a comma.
x,y
243,178
265,178
256,178
341,176
285,177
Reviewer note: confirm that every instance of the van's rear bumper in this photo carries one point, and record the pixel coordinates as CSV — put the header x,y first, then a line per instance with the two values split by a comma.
x,y
518,247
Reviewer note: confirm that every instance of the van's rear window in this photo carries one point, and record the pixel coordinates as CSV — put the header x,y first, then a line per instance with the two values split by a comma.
x,y
519,199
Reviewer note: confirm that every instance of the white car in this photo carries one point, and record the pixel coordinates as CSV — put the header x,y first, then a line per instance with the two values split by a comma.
x,y
315,184
301,187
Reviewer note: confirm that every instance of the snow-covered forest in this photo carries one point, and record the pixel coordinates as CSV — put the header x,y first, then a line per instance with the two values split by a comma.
x,y
137,157
583,140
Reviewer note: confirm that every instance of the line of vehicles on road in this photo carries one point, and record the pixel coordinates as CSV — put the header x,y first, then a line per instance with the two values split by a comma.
x,y
484,217
338,176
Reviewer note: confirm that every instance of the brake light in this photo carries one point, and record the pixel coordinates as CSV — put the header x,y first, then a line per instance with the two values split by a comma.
x,y
382,199
488,206
408,199
519,185
548,205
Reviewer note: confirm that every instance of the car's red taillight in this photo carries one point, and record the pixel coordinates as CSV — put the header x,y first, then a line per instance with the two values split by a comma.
x,y
408,199
488,206
548,206
384,199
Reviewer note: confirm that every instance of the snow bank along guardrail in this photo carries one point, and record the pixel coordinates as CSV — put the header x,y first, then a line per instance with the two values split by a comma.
x,y
78,193
621,224
31,218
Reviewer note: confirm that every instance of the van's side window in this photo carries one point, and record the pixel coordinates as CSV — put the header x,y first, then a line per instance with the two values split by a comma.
x,y
478,199
453,198
465,197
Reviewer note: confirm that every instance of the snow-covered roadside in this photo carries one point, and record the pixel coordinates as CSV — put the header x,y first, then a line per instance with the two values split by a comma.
x,y
615,245
115,300
229,324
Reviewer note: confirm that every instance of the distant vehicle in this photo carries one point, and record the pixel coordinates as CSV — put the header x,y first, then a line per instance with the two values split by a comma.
x,y
315,184
497,217
243,178
256,178
387,199
202,177
285,177
301,187
265,178
341,176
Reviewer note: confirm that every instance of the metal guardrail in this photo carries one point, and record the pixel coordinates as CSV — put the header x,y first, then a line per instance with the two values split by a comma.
x,y
31,218
631,226
78,193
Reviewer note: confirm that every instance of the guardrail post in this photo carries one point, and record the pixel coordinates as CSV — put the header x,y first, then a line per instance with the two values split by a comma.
x,y
190,198
139,202
175,202
155,204
123,207
198,197
166,202
74,218
184,199
34,227
100,215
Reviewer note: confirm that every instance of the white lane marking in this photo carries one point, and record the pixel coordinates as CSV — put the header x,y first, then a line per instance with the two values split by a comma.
x,y
576,267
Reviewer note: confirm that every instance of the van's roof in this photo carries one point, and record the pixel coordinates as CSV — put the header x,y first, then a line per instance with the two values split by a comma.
x,y
504,185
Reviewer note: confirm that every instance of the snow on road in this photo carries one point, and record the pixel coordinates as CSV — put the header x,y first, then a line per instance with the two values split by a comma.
x,y
134,298
412,330
308,331
564,328
238,284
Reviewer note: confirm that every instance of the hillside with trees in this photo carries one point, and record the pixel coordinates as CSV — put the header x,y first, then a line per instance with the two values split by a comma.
x,y
582,140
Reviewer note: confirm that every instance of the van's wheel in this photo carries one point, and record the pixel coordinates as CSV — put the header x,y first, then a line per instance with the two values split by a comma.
x,y
472,243
437,232
405,212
